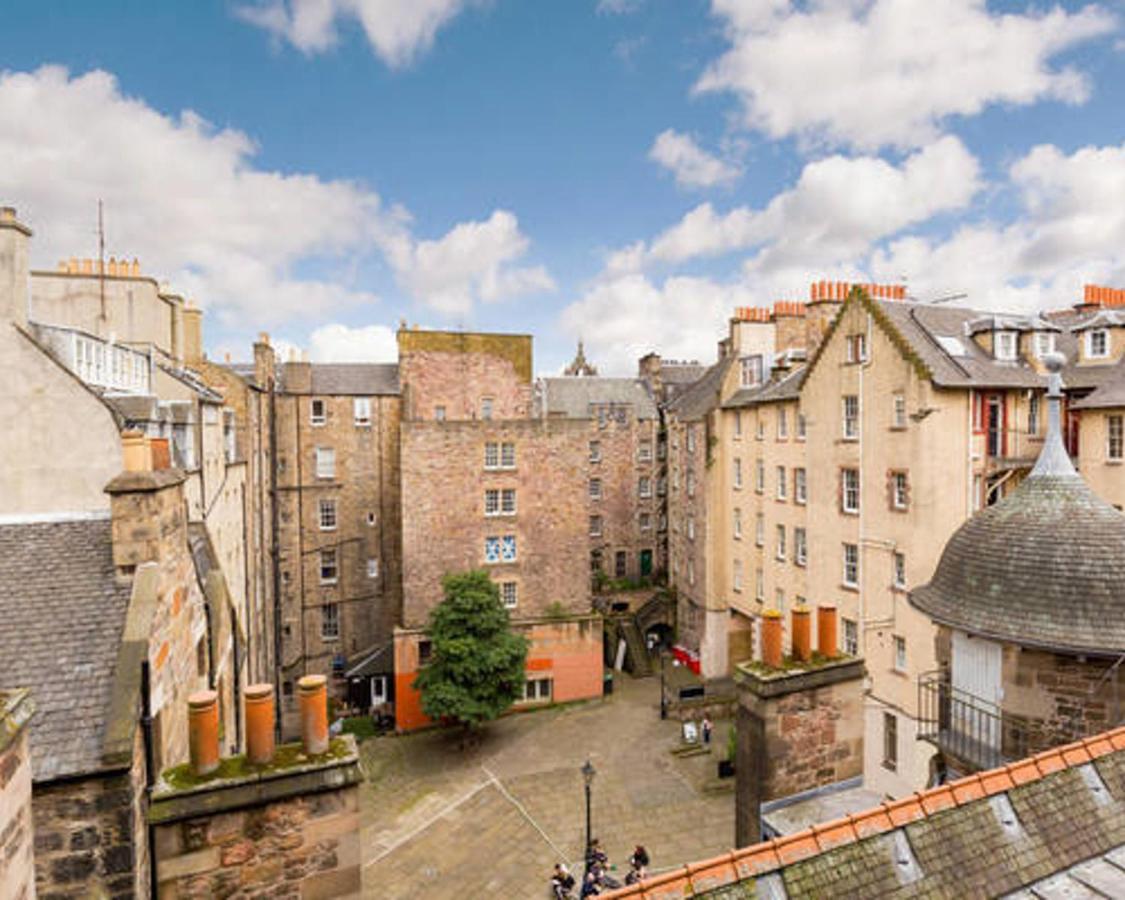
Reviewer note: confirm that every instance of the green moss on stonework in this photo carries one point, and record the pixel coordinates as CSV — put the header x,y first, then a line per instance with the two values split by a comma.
x,y
515,348
789,664
233,768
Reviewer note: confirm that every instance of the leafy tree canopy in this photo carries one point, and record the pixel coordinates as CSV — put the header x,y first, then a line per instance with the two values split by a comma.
x,y
476,668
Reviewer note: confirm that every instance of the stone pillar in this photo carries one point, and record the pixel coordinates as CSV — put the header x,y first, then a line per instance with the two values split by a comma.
x,y
193,335
17,862
14,240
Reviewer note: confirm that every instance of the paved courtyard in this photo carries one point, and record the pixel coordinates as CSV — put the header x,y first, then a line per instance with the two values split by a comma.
x,y
445,822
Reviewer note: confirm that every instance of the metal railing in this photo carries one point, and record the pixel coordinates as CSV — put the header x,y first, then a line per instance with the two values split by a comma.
x,y
969,729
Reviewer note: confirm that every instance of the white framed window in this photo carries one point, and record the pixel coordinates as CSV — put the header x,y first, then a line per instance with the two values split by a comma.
x,y
1097,343
691,528
851,565
372,567
782,483
737,472
537,690
690,483
595,489
1006,345
644,451
850,405
781,549
760,476
900,490
782,424
751,368
736,578
738,424
800,546
1033,414
1044,343
646,521
850,637
326,509
500,549
760,529
500,502
779,599
737,523
508,501
486,408
849,490
855,349
900,653
760,434
507,455
691,571
439,413
325,462
329,568
898,413
802,427
508,594
329,621
595,526
898,565
759,584
691,439
595,451
644,487
499,455
800,485
1114,433
361,410
317,413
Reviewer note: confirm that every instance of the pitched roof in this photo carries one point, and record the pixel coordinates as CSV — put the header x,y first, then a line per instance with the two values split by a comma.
x,y
572,396
1058,815
702,396
358,379
787,387
63,612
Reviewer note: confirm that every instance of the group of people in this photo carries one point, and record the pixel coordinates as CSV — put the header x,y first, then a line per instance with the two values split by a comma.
x,y
597,878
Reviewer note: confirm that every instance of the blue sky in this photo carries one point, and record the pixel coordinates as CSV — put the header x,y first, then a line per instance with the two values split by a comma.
x,y
624,170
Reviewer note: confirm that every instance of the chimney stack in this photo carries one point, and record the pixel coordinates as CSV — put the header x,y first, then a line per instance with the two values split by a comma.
x,y
137,451
313,692
203,732
14,241
193,335
259,723
826,639
771,638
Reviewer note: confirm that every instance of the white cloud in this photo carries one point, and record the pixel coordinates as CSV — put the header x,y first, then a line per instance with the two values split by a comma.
x,y
837,208
339,343
691,164
471,260
399,30
870,73
618,7
187,199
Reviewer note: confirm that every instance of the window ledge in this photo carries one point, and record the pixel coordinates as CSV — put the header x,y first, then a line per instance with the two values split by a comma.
x,y
854,588
897,428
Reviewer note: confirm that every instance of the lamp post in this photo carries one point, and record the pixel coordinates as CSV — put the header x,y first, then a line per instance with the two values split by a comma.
x,y
588,773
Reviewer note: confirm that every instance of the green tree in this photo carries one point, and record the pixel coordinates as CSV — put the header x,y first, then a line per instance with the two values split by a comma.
x,y
476,668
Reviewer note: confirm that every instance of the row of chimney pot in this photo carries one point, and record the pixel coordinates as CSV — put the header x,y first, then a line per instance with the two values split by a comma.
x,y
260,715
145,454
801,634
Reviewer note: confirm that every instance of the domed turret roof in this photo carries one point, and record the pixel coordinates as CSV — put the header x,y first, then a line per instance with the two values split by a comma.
x,y
1045,567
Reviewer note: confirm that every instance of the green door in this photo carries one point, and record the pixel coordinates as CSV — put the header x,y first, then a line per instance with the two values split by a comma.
x,y
646,563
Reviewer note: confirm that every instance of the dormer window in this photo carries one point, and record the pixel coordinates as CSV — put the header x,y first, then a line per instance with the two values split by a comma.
x,y
751,370
1097,343
1044,343
1005,344
856,349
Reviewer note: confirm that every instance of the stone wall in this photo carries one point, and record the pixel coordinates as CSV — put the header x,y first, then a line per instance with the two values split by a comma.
x,y
688,525
17,862
292,832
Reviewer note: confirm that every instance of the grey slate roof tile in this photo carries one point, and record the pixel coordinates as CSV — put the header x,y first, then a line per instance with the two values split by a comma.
x,y
63,613
355,378
571,397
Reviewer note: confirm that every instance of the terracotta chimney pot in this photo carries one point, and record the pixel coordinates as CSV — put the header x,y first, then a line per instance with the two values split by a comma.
x,y
137,452
259,723
802,634
826,638
313,692
771,638
203,732
161,455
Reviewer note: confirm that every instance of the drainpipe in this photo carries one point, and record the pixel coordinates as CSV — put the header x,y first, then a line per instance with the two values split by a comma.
x,y
150,778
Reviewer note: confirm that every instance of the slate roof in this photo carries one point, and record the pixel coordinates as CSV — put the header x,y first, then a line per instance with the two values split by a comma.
x,y
1055,819
571,397
787,387
355,378
63,613
702,396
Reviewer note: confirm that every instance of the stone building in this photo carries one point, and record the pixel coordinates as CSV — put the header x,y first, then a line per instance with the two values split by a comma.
x,y
17,839
338,512
1029,600
488,484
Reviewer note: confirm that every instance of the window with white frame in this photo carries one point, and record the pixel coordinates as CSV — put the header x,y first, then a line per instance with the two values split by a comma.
x,y
1097,343
1044,343
849,490
372,567
327,514
691,571
800,546
779,599
781,549
500,549
751,368
691,439
508,595
690,483
855,349
595,526
737,523
800,485
329,621
325,462
644,451
760,433
760,476
537,690
759,584
1114,433
595,489
439,413
644,487
850,637
900,491
898,565
1033,414
486,408
1005,344
782,483
595,451
499,455
507,455
646,521
898,414
736,579
802,427
737,472
850,405
361,410
317,413
329,568
500,502
782,424
760,529
492,502
900,653
691,528
851,565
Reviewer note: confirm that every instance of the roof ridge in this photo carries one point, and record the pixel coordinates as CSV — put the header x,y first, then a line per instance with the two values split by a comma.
x,y
777,853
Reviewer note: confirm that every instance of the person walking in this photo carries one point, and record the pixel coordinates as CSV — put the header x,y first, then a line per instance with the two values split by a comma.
x,y
706,728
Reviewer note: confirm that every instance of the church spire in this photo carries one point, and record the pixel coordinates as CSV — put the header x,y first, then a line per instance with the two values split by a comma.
x,y
579,366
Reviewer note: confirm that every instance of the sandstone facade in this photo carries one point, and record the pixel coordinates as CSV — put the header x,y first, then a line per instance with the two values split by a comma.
x,y
17,862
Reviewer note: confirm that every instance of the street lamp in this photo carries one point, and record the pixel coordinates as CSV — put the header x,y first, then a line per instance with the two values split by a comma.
x,y
588,773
